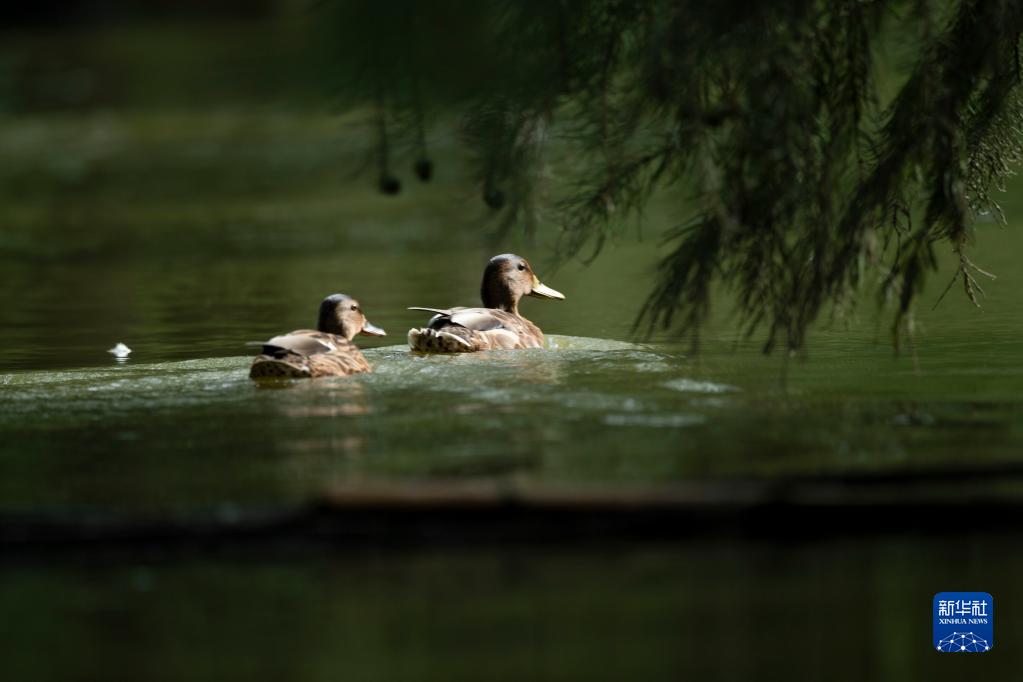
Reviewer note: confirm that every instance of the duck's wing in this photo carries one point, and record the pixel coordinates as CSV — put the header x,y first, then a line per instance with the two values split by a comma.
x,y
477,319
480,319
303,342
439,311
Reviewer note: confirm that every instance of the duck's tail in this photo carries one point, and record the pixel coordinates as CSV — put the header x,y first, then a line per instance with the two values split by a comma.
x,y
426,340
269,367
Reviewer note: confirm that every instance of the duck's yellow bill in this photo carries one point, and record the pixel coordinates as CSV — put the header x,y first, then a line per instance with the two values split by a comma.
x,y
541,290
372,330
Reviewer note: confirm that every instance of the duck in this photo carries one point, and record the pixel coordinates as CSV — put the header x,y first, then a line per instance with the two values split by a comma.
x,y
326,351
498,324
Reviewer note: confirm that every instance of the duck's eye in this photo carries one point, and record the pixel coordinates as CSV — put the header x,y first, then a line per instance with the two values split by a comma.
x,y
522,266
355,307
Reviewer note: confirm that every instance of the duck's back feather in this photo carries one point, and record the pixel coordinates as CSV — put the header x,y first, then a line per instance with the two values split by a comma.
x,y
463,330
308,353
304,342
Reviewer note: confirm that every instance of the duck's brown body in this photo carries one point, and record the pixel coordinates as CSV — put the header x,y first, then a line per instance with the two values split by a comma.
x,y
466,330
325,351
497,325
326,355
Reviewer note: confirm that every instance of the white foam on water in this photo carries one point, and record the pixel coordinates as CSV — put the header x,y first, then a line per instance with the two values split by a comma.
x,y
658,421
692,386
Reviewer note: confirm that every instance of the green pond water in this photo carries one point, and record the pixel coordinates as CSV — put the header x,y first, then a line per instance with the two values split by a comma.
x,y
179,425
838,610
186,234
186,275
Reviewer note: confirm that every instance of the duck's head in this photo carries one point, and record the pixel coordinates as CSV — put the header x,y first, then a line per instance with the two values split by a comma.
x,y
507,278
342,315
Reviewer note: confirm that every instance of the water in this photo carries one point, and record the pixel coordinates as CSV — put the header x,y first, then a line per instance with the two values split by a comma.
x,y
185,434
848,610
186,234
178,427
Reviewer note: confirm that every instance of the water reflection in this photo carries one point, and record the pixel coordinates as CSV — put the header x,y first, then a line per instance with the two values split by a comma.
x,y
326,397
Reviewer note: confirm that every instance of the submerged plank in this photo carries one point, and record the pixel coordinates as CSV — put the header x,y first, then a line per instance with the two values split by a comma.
x,y
439,513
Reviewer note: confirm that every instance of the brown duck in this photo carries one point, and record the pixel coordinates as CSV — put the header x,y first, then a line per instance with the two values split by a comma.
x,y
326,351
498,324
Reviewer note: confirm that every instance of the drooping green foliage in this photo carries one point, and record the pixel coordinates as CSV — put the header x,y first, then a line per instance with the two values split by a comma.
x,y
804,166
